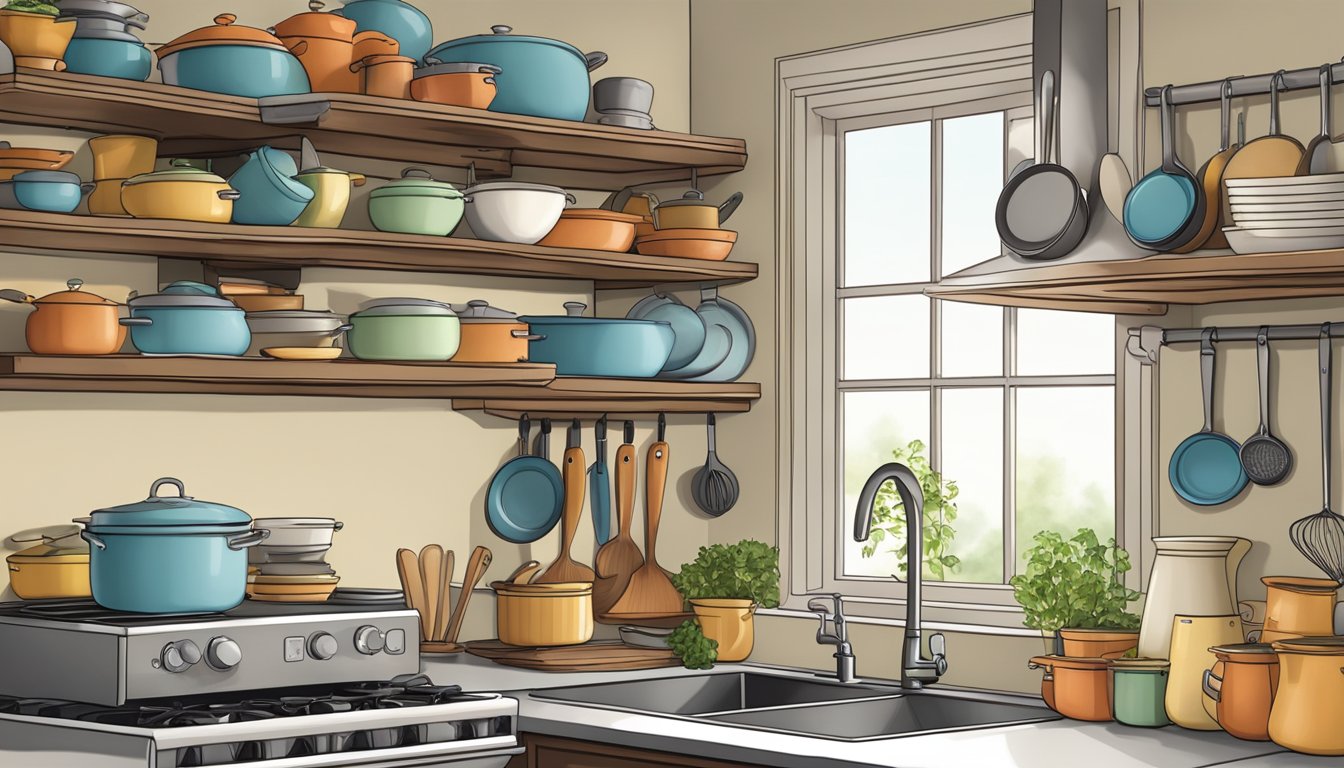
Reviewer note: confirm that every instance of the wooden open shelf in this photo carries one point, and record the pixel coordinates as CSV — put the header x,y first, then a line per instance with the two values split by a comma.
x,y
502,389
1147,286
192,123
300,246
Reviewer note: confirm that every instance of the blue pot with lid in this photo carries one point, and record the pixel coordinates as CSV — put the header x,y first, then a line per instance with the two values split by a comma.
x,y
270,193
51,191
169,553
399,20
598,346
539,76
187,318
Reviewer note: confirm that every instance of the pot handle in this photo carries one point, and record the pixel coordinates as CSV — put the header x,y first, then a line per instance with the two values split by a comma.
x,y
93,539
18,297
1210,690
248,539
729,206
489,81
87,187
136,321
299,48
173,481
571,199
595,59
337,332
357,179
1041,662
229,194
336,526
518,333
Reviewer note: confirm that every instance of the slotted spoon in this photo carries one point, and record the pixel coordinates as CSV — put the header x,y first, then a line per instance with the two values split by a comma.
x,y
714,486
1320,537
1265,457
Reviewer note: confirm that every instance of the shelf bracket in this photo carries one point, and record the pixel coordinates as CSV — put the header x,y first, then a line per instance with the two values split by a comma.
x,y
1144,343
292,110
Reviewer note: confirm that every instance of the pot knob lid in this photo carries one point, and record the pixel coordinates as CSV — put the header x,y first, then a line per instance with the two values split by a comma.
x,y
501,29
223,32
73,295
481,308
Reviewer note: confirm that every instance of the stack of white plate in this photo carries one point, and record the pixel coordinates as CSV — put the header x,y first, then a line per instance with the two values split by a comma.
x,y
1289,213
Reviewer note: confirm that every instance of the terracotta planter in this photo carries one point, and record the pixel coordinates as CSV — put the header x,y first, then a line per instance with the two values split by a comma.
x,y
1099,643
730,622
1298,607
1080,689
1242,684
35,35
1309,705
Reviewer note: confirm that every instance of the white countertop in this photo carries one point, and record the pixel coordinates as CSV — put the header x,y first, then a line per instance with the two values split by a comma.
x,y
1057,744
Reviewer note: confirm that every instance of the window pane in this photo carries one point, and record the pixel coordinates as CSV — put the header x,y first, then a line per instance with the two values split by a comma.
x,y
886,337
972,179
1065,462
876,424
972,339
1051,342
972,460
887,178
1021,142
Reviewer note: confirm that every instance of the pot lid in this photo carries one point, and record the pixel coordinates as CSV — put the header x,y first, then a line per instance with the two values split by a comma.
x,y
1301,584
58,177
500,33
184,293
600,214
508,184
74,296
417,182
1140,663
168,510
691,197
224,32
1243,649
404,306
181,171
480,311
102,8
1324,646
435,67
316,23
297,522
67,549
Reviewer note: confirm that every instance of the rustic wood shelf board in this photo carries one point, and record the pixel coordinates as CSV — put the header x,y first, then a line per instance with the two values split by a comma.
x,y
300,246
198,123
1147,286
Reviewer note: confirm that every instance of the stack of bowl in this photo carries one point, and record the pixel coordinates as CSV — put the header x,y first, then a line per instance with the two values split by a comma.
x,y
623,101
103,43
1290,213
690,228
290,566
116,159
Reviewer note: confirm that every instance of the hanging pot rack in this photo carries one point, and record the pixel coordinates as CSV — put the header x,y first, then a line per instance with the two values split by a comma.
x,y
1244,85
1145,342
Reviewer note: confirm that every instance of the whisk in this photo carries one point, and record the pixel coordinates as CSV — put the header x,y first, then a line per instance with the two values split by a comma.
x,y
1320,537
714,487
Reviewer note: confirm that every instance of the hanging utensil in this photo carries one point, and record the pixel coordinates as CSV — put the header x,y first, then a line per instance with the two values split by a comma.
x,y
542,446
525,497
714,487
1268,156
1320,537
1210,179
1316,158
1115,182
599,486
1206,468
1265,457
1163,210
566,569
619,558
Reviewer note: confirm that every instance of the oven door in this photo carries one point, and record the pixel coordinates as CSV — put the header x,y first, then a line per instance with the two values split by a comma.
x,y
491,759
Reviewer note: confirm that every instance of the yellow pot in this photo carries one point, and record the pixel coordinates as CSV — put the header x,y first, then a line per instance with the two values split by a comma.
x,y
331,196
1298,607
35,34
730,623
539,615
1191,639
105,199
121,157
55,568
182,193
1309,705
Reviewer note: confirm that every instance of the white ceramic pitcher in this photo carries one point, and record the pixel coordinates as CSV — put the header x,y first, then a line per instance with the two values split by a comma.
x,y
1192,575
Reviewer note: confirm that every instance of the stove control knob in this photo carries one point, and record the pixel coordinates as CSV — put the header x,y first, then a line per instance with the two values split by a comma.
x,y
179,656
223,654
322,646
368,640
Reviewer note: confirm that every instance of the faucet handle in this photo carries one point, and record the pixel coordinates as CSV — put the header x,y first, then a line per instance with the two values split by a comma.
x,y
833,612
938,649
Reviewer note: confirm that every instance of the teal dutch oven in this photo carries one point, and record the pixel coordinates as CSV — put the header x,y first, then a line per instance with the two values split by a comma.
x,y
269,193
233,59
187,318
539,76
598,346
399,20
169,554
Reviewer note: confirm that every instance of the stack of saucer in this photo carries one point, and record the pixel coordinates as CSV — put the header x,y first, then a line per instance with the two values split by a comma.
x,y
290,566
623,101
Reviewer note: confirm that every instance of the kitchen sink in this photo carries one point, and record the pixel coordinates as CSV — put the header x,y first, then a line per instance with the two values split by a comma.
x,y
705,694
904,714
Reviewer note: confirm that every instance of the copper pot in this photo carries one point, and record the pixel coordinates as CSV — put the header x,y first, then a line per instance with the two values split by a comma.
x,y
490,335
71,322
1243,682
1076,688
324,45
1298,607
1309,705
385,75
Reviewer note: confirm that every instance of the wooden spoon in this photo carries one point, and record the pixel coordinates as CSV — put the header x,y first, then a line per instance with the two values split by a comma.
x,y
476,567
446,593
408,568
618,559
574,471
431,576
650,591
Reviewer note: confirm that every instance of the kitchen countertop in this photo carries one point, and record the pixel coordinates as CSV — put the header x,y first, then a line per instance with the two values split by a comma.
x,y
1062,743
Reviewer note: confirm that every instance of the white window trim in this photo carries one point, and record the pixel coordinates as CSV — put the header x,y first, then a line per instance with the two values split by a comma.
x,y
987,61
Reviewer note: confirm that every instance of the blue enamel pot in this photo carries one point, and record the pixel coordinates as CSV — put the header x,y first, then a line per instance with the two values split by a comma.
x,y
539,76
169,554
187,319
51,191
270,195
398,20
109,58
594,346
234,60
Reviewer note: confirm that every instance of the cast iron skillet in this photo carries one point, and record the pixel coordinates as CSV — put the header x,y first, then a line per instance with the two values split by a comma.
x,y
526,495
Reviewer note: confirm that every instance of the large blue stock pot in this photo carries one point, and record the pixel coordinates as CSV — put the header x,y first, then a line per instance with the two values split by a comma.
x,y
187,318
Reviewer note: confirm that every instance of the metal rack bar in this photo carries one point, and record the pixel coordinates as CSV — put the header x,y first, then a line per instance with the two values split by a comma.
x,y
1249,332
1242,85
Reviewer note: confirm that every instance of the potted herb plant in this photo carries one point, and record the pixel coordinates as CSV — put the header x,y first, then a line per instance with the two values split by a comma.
x,y
724,585
1073,588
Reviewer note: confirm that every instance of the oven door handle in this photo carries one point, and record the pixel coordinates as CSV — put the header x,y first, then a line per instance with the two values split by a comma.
x,y
451,753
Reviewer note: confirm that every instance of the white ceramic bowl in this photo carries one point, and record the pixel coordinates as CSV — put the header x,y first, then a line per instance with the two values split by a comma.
x,y
513,211
298,534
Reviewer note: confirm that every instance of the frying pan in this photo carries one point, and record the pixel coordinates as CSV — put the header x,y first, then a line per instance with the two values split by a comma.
x,y
1316,157
1268,156
1165,209
1210,178
1206,467
1042,212
526,495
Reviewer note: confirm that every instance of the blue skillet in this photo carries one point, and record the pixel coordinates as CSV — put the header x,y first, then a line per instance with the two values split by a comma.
x,y
526,495
1206,467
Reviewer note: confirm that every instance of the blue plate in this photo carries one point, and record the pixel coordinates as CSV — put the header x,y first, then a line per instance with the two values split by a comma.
x,y
1206,469
525,499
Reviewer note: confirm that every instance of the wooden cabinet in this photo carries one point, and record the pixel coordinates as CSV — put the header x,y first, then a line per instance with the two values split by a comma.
x,y
555,752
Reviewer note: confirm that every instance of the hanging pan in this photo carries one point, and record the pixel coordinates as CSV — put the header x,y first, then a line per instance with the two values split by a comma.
x,y
1268,156
1317,156
1042,212
526,495
1165,210
1206,467
1210,181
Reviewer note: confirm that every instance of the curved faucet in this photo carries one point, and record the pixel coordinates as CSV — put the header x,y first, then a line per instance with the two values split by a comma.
x,y
916,671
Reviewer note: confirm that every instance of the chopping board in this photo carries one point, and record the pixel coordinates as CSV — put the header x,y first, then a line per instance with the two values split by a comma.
x,y
596,656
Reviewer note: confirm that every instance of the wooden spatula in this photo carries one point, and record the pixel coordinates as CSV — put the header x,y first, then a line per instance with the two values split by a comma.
x,y
618,559
650,590
408,568
446,592
431,577
573,469
476,567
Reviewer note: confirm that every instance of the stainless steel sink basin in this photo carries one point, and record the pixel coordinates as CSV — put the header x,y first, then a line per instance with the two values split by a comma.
x,y
902,715
704,694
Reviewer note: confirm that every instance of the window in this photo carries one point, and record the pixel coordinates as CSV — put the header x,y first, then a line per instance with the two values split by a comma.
x,y
896,153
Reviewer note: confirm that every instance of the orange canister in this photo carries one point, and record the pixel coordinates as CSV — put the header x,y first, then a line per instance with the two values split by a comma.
x,y
1243,683
1309,706
1298,607
385,75
1081,687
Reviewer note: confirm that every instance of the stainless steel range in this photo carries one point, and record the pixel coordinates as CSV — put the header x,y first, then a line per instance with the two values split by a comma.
x,y
273,684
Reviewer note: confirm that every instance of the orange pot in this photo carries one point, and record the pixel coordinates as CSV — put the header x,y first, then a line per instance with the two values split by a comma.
x,y
324,44
1309,705
1298,607
490,335
593,228
72,322
455,84
386,76
1099,643
1243,682
1081,688
690,243
371,42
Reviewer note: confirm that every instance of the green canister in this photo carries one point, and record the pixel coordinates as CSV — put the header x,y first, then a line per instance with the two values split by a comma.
x,y
1140,691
